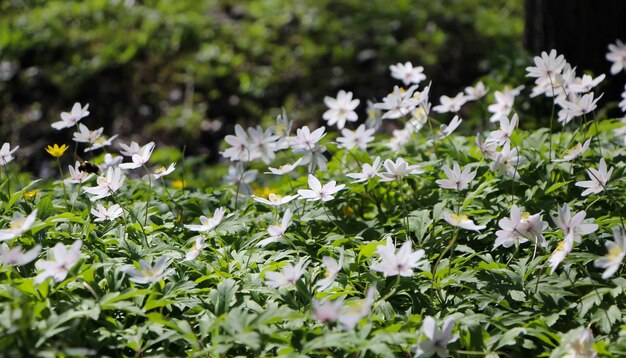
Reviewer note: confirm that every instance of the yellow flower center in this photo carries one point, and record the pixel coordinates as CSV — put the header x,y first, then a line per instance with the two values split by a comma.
x,y
29,195
274,198
614,253
572,149
57,151
525,215
457,219
159,170
17,223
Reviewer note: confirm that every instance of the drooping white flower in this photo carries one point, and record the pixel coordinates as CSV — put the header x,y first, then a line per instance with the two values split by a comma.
x,y
572,226
6,154
16,256
284,169
477,92
332,270
160,172
353,312
582,346
70,119
275,199
319,192
447,129
141,158
77,176
617,55
102,213
130,150
563,248
452,105
277,231
400,263
84,135
61,264
148,273
461,221
18,225
107,184
208,224
262,144
111,161
456,180
101,142
239,149
574,151
327,311
598,179
503,135
577,106
504,102
368,171
586,83
357,138
436,340
341,109
307,143
407,73
195,249
487,149
289,275
615,255
398,170
507,161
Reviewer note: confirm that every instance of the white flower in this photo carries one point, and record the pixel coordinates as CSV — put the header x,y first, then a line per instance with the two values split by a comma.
x,y
586,83
355,311
239,146
504,102
407,73
306,140
84,135
111,161
341,109
563,248
162,171
398,170
130,150
15,256
582,346
507,161
289,275
546,66
503,135
448,104
477,92
446,130
437,341
457,180
148,273
76,175
401,263
6,153
60,266
487,149
357,138
284,169
18,225
208,224
572,226
107,184
577,106
599,177
400,137
319,192
615,255
368,171
617,55
332,270
574,151
70,119
622,103
532,226
195,249
240,178
520,228
327,311
277,231
141,158
462,221
274,199
262,144
100,142
398,103
101,213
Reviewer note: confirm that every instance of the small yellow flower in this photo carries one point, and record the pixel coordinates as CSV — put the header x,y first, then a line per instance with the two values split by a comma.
x,y
347,211
263,192
178,184
30,195
57,151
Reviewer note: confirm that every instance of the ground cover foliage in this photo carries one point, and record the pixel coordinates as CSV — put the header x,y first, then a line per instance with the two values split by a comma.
x,y
319,243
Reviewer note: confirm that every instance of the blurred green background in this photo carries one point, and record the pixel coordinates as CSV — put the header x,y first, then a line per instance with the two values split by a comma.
x,y
184,72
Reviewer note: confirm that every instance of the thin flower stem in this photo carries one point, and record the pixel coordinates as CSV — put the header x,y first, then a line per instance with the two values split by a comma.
x,y
551,118
149,193
62,181
334,221
405,221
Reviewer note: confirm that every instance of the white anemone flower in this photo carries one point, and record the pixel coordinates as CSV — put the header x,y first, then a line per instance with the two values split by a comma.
x,y
70,119
16,256
462,221
277,231
332,270
563,248
546,66
354,311
106,214
85,135
436,340
77,176
240,146
400,263
452,105
456,179
615,255
208,224
398,170
275,199
617,55
503,135
368,171
6,154
141,158
504,102
572,226
477,92
319,192
582,346
284,169
195,249
398,103
327,311
107,184
289,275
18,225
406,73
574,151
61,264
446,129
341,109
599,177
148,273
359,138
160,172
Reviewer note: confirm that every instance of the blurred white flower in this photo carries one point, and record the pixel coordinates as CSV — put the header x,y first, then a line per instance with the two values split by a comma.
x,y
563,248
241,178
148,273
407,73
77,176
111,161
288,276
141,158
284,169
520,228
130,150
456,180
398,103
574,151
477,92
208,224
546,66
319,192
70,119
400,263
617,55
107,184
239,149
577,106
277,231
357,138
262,144
448,104
102,213
586,83
504,102
572,226
503,135
332,270
275,199
162,171
327,311
6,153
599,177
436,340
447,129
582,346
507,161
62,262
195,249
353,312
84,135
15,256
368,171
615,255
462,221
341,109
18,225
398,170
